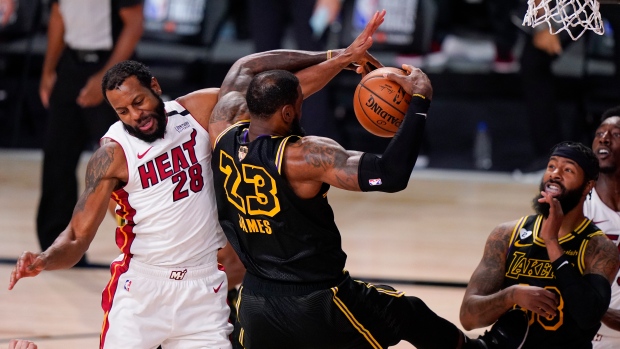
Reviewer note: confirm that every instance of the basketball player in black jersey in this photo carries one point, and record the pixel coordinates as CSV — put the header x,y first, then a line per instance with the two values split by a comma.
x,y
555,266
271,186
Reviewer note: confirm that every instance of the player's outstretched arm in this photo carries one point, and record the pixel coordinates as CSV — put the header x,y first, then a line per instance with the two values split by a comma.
x,y
243,70
484,300
103,171
313,161
314,69
354,57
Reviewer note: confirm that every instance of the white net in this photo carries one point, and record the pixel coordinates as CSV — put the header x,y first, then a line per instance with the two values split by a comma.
x,y
574,16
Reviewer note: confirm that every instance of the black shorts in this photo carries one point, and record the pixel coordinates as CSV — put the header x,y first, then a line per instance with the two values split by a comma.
x,y
352,314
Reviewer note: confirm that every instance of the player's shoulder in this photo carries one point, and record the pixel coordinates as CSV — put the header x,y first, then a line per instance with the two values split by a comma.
x,y
316,141
111,147
503,231
109,159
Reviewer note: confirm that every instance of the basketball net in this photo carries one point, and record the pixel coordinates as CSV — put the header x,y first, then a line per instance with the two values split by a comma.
x,y
574,16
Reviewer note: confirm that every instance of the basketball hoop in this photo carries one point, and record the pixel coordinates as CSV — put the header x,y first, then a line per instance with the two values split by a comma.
x,y
574,16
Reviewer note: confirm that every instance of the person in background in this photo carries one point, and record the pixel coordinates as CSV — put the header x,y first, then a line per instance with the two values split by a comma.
x,y
7,9
538,83
296,15
603,207
84,39
554,267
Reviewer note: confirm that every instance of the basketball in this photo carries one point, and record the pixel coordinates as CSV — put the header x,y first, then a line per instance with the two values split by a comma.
x,y
380,104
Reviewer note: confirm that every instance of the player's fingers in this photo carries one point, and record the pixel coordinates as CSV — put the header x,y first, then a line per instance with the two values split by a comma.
x,y
408,68
13,278
374,23
35,266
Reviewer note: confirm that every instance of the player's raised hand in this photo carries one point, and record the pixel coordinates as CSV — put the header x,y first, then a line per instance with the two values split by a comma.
x,y
357,52
29,264
551,225
415,82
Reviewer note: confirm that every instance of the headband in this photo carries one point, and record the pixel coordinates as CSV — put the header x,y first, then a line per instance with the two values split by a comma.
x,y
589,168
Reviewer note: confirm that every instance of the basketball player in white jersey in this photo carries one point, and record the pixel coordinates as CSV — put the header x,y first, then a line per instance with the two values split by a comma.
x,y
167,287
603,208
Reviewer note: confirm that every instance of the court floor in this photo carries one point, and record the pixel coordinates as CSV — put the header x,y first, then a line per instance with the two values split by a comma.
x,y
425,240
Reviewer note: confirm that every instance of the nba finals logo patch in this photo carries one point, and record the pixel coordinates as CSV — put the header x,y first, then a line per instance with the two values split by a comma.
x,y
127,285
243,151
376,181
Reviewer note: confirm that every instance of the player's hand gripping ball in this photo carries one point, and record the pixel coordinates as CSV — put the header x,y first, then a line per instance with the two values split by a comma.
x,y
380,104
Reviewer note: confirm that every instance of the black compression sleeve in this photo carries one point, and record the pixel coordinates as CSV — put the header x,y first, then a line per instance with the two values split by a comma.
x,y
587,297
391,171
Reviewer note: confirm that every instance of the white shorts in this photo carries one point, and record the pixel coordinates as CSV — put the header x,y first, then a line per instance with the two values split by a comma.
x,y
605,342
146,306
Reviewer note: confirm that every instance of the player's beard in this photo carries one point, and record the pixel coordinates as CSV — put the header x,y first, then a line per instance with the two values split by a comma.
x,y
296,128
569,199
159,115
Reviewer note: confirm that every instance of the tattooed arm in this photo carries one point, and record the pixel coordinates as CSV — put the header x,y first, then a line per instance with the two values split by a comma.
x,y
485,300
314,70
329,64
602,258
106,171
312,161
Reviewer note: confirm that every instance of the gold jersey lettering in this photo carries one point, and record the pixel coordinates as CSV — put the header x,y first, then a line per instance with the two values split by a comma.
x,y
242,224
523,266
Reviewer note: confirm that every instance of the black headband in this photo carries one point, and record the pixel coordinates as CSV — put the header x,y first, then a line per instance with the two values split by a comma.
x,y
566,151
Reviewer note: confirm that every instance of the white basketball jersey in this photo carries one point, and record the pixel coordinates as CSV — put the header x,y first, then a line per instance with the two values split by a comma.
x,y
168,202
608,221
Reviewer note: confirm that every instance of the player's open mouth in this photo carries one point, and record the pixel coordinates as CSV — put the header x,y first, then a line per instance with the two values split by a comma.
x,y
553,189
603,153
146,125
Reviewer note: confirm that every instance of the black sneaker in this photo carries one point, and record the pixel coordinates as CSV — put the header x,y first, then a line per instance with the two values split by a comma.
x,y
508,332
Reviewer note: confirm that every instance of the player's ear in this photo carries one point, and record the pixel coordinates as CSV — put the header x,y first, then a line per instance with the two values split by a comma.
x,y
155,86
288,113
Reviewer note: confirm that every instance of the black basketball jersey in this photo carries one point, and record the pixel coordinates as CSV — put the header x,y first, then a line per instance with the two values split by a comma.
x,y
277,235
527,262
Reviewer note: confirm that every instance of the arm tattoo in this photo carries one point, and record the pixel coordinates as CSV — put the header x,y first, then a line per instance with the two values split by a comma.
x,y
489,276
96,169
319,156
326,157
493,264
603,257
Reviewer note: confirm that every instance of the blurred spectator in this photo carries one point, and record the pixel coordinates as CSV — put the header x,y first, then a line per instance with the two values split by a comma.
x,y
7,10
540,50
269,22
84,39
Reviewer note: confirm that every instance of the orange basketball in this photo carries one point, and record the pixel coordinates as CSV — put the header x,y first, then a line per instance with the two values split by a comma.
x,y
380,104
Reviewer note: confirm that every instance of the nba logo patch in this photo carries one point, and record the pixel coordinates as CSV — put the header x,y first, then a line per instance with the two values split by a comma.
x,y
127,285
376,181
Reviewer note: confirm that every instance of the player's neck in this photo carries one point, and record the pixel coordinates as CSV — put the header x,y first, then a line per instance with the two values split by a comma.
x,y
265,127
608,189
572,220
